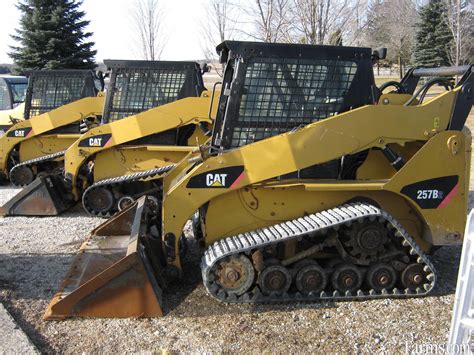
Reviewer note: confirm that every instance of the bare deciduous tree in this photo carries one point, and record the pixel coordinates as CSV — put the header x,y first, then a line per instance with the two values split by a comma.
x,y
460,17
316,21
391,24
147,17
218,26
270,19
353,33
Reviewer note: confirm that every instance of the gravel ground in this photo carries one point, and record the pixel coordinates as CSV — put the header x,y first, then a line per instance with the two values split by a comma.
x,y
35,254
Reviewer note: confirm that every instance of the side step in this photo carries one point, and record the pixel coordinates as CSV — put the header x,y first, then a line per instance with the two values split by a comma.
x,y
115,274
45,196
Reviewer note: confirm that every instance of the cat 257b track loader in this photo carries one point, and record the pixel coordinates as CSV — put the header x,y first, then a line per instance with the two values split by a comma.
x,y
347,207
60,105
150,119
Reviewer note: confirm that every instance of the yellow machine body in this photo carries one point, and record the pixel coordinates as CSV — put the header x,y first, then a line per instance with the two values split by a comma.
x,y
120,161
257,201
32,138
112,157
10,117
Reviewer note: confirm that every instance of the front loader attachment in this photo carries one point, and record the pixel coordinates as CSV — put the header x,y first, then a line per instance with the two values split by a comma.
x,y
45,196
115,274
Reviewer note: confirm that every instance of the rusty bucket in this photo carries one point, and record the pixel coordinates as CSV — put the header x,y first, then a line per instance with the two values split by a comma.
x,y
45,196
115,274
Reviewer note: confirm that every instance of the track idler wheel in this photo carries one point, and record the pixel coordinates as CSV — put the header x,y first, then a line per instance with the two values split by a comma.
x,y
101,200
22,176
311,278
124,202
275,278
235,274
347,278
413,276
381,276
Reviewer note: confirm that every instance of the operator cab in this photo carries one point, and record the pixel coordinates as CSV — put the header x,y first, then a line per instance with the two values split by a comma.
x,y
136,86
50,89
12,91
273,88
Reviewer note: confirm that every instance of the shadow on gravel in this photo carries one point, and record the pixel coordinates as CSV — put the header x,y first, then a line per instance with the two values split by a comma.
x,y
446,263
27,283
32,276
40,341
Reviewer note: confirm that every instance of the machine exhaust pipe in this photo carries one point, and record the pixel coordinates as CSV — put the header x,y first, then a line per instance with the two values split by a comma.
x,y
116,273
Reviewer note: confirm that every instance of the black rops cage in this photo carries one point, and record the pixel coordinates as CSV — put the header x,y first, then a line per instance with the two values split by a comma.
x,y
50,89
136,86
269,89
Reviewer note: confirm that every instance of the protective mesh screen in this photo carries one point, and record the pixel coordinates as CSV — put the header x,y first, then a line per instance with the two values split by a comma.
x,y
52,91
280,94
138,90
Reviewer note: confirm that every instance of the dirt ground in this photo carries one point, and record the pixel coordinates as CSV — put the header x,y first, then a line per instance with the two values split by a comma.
x,y
35,253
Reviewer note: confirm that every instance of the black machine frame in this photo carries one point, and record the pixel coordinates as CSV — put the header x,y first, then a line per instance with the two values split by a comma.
x,y
192,85
445,76
237,57
84,86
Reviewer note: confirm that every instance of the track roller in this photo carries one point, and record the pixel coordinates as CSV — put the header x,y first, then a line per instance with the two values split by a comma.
x,y
347,278
381,276
275,278
311,278
413,276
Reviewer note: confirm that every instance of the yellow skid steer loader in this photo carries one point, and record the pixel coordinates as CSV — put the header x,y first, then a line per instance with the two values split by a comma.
x,y
139,131
346,207
60,105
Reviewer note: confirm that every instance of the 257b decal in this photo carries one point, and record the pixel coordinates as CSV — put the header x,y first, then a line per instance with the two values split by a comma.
x,y
432,193
429,194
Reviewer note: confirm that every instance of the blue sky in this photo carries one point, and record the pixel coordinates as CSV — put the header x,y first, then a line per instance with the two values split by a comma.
x,y
110,22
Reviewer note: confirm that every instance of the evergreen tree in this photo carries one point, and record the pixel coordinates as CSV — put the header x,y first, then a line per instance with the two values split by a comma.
x,y
433,38
52,35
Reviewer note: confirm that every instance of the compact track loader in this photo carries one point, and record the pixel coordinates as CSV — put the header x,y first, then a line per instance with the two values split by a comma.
x,y
60,105
150,119
12,96
345,207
